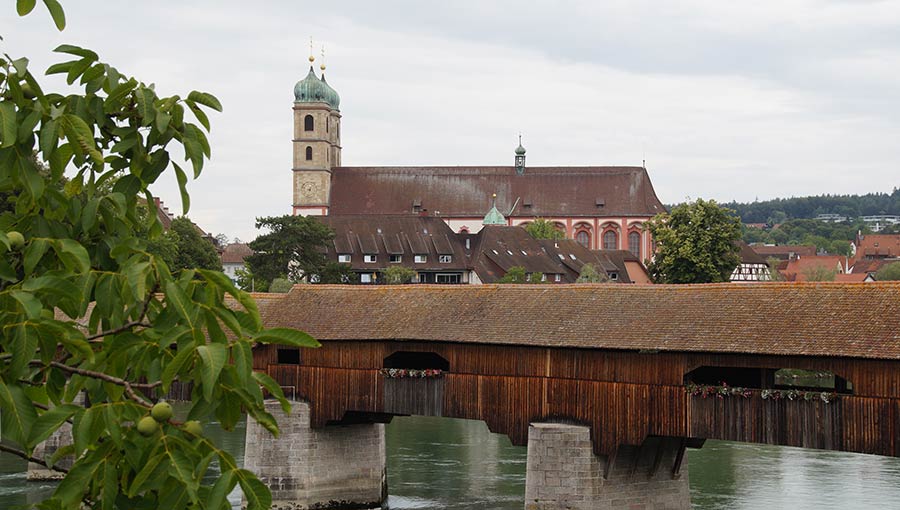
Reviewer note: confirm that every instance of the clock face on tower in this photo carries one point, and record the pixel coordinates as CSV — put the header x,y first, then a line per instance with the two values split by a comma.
x,y
309,189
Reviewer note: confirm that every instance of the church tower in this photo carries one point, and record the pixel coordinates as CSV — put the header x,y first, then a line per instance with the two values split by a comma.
x,y
317,142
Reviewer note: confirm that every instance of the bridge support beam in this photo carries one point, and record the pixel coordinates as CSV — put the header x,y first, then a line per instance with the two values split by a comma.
x,y
330,468
564,472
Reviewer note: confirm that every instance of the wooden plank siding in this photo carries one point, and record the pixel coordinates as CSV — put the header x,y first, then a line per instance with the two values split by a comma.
x,y
623,396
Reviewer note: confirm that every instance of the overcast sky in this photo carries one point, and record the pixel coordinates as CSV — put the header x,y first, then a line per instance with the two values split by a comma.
x,y
724,100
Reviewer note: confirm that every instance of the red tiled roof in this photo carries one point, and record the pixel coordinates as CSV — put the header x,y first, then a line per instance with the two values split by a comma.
x,y
851,277
814,319
869,265
798,269
784,251
878,245
467,191
235,253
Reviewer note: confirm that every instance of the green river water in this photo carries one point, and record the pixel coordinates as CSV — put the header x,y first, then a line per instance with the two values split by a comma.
x,y
442,463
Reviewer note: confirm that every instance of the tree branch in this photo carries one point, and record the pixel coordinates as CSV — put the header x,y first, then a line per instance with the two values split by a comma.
x,y
132,324
29,458
129,386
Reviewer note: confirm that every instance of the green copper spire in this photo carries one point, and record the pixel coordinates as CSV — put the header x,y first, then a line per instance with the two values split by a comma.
x,y
494,217
312,89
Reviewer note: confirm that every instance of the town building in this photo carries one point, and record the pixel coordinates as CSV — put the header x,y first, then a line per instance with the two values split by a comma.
x,y
753,267
603,208
372,244
232,256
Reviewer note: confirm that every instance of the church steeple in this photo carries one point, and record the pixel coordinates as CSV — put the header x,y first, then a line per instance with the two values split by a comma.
x,y
494,216
317,140
520,158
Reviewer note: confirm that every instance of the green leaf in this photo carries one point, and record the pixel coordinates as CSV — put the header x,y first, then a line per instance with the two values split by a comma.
x,y
72,488
30,304
33,254
47,423
21,65
53,285
205,99
23,7
56,12
81,137
72,254
110,486
182,187
286,336
48,138
257,494
271,385
213,357
78,51
217,498
200,114
177,299
174,367
144,97
145,473
18,415
243,360
8,126
182,468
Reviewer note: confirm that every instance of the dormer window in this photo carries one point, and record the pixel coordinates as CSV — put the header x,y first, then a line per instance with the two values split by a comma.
x,y
396,259
344,257
445,259
420,259
370,259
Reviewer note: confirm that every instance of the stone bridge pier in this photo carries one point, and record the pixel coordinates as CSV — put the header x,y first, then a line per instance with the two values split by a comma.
x,y
563,472
340,466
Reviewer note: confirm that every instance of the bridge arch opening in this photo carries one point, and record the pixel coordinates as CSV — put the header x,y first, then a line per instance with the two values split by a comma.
x,y
417,361
769,378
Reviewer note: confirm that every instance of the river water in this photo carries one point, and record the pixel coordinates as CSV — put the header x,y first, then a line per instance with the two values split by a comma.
x,y
442,463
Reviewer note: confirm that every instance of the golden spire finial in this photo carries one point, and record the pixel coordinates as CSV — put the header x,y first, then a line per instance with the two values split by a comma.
x,y
312,58
322,65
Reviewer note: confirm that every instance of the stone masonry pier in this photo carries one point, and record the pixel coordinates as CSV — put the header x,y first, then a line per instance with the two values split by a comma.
x,y
564,473
340,466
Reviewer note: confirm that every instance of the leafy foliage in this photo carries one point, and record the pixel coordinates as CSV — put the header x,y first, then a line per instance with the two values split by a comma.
x,y
889,272
589,274
294,246
191,250
544,229
85,306
281,285
398,275
695,243
820,273
852,206
517,274
833,238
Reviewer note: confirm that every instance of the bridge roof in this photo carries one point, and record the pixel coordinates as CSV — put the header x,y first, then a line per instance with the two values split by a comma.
x,y
815,319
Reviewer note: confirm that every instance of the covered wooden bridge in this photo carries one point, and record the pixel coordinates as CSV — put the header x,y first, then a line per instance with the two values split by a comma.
x,y
631,364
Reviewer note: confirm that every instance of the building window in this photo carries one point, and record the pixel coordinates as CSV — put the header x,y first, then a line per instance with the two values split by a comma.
x,y
421,259
445,259
613,276
634,244
365,278
557,277
396,259
583,238
308,123
447,278
610,240
288,356
370,259
344,257
308,153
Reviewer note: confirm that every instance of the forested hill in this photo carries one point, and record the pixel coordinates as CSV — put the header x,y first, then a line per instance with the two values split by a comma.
x,y
852,206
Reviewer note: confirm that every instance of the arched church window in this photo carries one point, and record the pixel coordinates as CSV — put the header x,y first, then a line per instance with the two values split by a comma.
x,y
308,123
583,238
610,240
634,244
308,153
